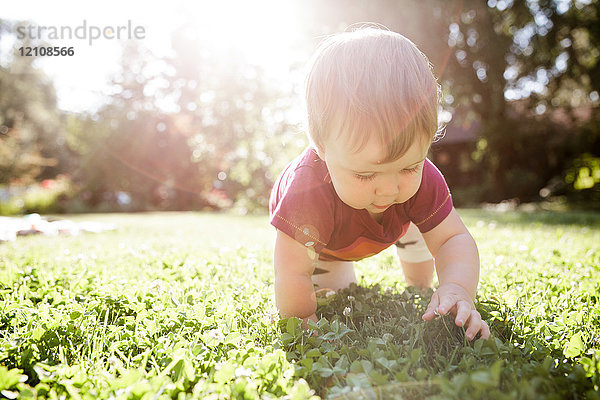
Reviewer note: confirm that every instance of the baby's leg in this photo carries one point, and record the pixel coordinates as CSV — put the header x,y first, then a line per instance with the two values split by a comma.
x,y
416,260
334,275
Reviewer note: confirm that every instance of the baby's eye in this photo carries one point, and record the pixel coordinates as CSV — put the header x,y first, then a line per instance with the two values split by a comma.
x,y
412,170
365,177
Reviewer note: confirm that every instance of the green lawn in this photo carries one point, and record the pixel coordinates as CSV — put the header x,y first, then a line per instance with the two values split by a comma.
x,y
180,305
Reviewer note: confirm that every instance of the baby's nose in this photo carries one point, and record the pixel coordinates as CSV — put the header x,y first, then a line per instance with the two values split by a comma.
x,y
388,188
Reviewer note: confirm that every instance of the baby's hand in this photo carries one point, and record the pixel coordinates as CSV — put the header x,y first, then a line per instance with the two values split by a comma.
x,y
454,299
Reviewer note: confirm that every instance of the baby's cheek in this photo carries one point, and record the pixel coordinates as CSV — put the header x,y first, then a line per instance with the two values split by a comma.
x,y
359,196
416,185
345,189
410,191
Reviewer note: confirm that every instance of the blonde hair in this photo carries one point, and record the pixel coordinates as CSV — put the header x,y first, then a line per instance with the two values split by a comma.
x,y
371,83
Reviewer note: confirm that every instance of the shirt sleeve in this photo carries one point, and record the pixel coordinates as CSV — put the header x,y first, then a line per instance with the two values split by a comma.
x,y
432,203
301,206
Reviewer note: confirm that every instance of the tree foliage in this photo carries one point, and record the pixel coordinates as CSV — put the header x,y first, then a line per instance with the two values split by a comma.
x,y
187,132
31,131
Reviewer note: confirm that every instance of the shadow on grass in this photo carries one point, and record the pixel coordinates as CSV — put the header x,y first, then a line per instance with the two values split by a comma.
x,y
373,344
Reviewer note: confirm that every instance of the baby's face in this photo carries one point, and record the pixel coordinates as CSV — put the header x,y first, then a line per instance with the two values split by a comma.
x,y
362,182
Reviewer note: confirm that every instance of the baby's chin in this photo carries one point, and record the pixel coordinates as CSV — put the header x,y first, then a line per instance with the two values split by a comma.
x,y
375,209
372,208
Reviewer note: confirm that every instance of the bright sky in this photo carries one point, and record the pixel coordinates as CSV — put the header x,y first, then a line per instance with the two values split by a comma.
x,y
263,28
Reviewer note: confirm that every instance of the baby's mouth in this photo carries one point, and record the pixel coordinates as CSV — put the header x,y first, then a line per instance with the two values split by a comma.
x,y
382,207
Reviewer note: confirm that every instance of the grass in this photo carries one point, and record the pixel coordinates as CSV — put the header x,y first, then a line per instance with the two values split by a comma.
x,y
180,305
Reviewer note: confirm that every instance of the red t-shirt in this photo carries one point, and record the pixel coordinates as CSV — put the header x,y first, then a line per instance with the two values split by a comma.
x,y
305,206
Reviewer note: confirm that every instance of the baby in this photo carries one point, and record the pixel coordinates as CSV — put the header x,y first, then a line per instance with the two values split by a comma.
x,y
365,182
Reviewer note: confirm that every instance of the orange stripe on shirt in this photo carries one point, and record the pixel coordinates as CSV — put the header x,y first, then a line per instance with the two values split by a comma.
x,y
361,248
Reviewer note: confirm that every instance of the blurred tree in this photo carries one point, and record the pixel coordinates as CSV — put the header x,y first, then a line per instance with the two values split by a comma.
x,y
32,133
241,129
564,54
197,129
133,146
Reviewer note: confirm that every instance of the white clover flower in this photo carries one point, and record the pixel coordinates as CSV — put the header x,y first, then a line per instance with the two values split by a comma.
x,y
156,284
241,371
351,298
329,293
162,339
216,334
114,361
347,311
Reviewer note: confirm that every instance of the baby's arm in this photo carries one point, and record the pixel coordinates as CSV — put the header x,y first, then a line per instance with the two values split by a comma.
x,y
294,291
457,267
